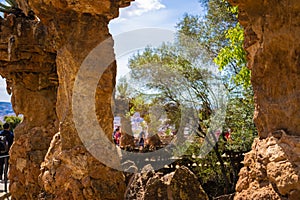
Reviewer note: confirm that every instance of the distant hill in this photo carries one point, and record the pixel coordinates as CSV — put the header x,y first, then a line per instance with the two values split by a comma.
x,y
5,109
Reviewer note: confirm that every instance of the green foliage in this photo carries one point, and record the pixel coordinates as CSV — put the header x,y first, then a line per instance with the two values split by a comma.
x,y
233,56
239,119
222,38
13,121
176,73
176,77
138,104
209,30
175,81
122,88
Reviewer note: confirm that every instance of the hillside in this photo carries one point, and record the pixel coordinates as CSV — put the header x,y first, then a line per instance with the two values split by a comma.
x,y
5,109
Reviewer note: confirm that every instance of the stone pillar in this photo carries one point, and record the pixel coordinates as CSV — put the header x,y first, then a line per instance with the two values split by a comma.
x,y
27,61
69,170
273,45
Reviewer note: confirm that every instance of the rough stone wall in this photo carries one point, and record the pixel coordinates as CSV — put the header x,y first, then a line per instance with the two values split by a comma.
x,y
272,168
69,171
273,45
40,62
27,61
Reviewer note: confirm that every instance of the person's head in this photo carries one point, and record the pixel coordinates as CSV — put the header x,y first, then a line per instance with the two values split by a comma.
x,y
6,126
117,129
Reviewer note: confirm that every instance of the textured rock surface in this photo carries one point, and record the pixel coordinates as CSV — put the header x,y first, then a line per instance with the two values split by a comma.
x,y
181,184
271,169
71,171
153,142
272,41
127,141
40,62
28,63
273,45
34,56
75,174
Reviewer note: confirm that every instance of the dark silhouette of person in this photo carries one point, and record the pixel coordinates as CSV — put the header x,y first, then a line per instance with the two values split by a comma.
x,y
10,138
141,140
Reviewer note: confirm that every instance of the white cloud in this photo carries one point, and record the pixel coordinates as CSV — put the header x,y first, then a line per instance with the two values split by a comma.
x,y
160,19
3,94
140,7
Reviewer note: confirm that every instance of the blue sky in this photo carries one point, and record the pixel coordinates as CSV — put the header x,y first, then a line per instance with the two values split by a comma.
x,y
153,13
142,14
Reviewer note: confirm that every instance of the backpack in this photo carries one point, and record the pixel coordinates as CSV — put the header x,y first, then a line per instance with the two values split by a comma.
x,y
3,144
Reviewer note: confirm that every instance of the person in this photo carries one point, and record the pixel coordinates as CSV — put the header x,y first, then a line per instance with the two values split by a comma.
x,y
227,135
141,140
114,133
117,136
10,138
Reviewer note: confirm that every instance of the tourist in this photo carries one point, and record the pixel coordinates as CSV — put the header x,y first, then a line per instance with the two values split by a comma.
x,y
117,136
141,140
9,137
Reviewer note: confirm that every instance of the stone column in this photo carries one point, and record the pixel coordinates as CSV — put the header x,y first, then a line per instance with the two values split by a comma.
x,y
27,61
273,45
69,170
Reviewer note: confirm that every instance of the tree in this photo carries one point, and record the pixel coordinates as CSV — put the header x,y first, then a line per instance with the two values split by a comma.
x,y
209,30
123,88
233,56
169,77
175,77
181,75
13,121
219,33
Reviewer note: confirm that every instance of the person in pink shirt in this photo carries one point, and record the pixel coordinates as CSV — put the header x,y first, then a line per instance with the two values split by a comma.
x,y
117,136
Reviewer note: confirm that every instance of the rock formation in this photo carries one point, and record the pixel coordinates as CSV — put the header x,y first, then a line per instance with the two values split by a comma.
x,y
27,62
121,107
272,168
273,45
180,184
153,142
127,141
40,61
